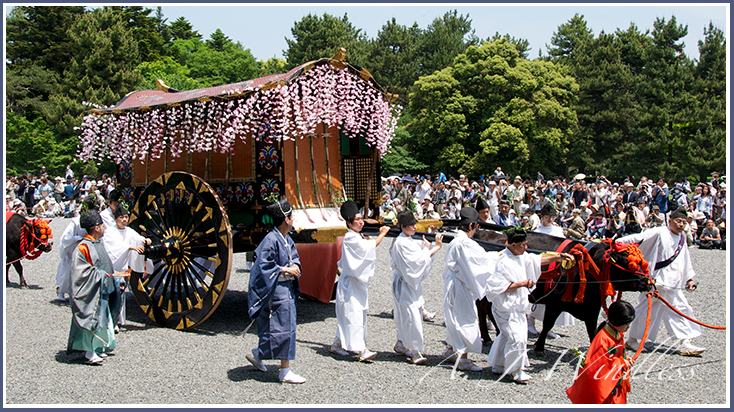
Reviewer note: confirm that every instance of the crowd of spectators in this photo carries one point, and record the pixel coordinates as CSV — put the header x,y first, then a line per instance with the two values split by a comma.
x,y
588,208
39,194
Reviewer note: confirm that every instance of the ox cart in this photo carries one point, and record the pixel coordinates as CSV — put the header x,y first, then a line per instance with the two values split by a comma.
x,y
198,167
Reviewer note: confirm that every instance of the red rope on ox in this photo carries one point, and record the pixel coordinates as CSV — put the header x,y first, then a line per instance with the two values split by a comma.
x,y
647,326
28,247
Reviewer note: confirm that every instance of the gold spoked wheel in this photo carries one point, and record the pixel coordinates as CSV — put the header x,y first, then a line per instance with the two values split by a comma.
x,y
191,250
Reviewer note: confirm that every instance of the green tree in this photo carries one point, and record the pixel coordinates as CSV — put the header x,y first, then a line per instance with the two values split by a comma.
x,y
38,49
171,72
37,36
569,38
32,144
445,38
665,94
163,29
212,67
522,45
27,88
393,58
705,134
181,29
218,41
607,107
273,66
634,45
400,158
146,31
712,60
316,37
492,107
102,69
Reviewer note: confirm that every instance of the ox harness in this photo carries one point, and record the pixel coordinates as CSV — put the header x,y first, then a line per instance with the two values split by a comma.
x,y
585,264
30,244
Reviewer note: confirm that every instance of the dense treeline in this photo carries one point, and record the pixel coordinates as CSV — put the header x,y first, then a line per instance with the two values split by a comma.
x,y
622,103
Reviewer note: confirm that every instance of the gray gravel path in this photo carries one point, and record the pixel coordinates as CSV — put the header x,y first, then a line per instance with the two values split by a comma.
x,y
153,365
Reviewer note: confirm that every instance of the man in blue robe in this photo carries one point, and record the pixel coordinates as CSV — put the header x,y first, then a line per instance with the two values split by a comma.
x,y
273,292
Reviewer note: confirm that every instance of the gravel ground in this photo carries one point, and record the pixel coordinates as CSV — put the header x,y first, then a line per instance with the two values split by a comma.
x,y
153,365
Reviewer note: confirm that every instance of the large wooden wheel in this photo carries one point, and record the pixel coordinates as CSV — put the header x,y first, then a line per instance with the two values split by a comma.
x,y
191,250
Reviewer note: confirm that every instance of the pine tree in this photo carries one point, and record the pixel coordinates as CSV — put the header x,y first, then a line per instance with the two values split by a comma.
x,y
569,38
316,37
445,38
102,70
666,99
705,142
218,41
181,29
37,36
146,31
393,57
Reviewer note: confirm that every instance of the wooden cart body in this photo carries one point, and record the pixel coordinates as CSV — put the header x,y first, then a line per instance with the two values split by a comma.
x,y
201,206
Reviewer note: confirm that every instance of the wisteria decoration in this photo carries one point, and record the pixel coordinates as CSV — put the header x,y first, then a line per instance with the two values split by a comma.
x,y
322,95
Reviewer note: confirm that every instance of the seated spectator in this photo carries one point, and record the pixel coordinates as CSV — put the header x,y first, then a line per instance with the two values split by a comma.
x,y
585,211
656,217
576,227
615,223
711,236
431,213
597,226
389,216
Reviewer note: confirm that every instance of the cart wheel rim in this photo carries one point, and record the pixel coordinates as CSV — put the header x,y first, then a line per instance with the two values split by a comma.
x,y
191,251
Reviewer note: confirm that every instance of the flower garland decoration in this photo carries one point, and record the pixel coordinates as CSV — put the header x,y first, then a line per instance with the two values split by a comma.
x,y
321,95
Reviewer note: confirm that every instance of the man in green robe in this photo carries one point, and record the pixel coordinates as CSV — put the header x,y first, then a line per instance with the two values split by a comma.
x,y
95,294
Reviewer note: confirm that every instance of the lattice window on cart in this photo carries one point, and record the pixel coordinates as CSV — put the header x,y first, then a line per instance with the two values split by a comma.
x,y
349,177
356,175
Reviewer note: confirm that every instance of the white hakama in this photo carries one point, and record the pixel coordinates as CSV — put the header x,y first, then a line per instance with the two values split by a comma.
x,y
659,244
70,239
357,266
410,262
509,350
468,267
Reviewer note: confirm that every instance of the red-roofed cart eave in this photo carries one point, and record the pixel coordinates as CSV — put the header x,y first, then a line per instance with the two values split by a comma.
x,y
141,100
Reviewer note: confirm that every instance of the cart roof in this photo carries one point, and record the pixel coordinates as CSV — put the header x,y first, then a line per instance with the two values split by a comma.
x,y
146,99
326,92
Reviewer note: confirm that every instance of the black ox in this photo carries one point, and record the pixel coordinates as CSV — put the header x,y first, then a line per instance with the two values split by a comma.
x,y
24,239
587,311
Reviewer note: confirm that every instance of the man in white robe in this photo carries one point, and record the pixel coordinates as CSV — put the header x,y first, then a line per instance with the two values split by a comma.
x,y
357,266
547,216
468,266
410,261
70,239
659,245
508,289
125,248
